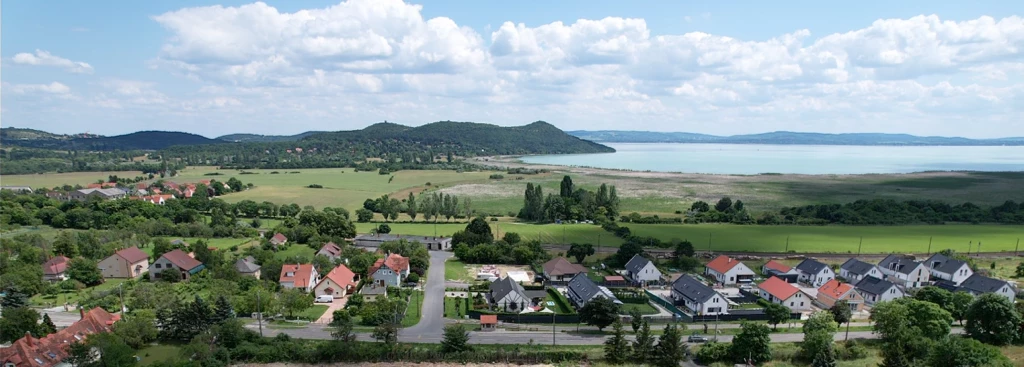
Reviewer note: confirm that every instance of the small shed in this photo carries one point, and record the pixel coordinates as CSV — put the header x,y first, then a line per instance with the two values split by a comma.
x,y
488,322
614,281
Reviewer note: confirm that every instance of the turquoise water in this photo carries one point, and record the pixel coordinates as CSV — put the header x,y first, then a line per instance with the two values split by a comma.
x,y
798,159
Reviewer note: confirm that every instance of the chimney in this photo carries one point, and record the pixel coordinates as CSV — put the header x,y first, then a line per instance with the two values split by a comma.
x,y
81,313
28,339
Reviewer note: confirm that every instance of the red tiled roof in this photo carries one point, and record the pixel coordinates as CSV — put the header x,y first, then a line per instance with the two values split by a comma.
x,y
775,265
56,265
778,288
279,238
560,266
331,248
341,276
834,289
302,274
132,254
51,349
614,278
723,264
182,260
394,262
488,319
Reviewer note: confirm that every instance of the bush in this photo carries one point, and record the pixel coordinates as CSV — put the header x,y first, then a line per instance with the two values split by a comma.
x,y
493,219
850,350
763,302
315,186
712,352
412,278
496,177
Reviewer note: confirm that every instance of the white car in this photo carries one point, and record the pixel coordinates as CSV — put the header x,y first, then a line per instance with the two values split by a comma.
x,y
325,298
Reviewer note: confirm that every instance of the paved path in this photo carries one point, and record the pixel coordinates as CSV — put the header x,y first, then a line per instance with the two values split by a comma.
x,y
432,320
328,315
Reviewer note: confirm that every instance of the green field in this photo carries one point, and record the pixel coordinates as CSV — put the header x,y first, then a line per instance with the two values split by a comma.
x,y
456,270
414,310
72,297
313,313
158,353
726,237
50,180
644,308
296,249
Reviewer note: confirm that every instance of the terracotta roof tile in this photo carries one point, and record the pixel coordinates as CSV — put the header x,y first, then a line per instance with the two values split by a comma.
x,y
834,289
560,266
488,319
132,254
778,288
182,260
394,262
50,350
775,265
341,276
722,264
302,274
56,265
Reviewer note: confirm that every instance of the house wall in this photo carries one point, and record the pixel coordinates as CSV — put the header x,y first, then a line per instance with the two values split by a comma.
x,y
55,277
162,264
959,276
893,293
388,276
560,278
854,278
855,299
117,267
320,289
730,276
1007,292
648,273
797,302
917,278
819,279
512,298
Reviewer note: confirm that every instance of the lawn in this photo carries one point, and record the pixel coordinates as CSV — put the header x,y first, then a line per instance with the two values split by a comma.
x,y
456,270
644,308
158,353
218,243
414,311
72,297
312,313
296,250
561,304
51,180
451,311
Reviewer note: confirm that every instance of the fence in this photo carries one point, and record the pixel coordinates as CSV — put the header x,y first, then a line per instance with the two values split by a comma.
x,y
529,318
668,306
740,315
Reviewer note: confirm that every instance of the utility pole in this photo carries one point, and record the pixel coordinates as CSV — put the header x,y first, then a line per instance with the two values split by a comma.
x,y
552,329
848,328
929,245
1016,247
969,244
120,295
709,243
787,244
861,243
259,311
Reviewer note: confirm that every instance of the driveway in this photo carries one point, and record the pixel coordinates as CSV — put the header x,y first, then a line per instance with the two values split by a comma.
x,y
328,315
432,319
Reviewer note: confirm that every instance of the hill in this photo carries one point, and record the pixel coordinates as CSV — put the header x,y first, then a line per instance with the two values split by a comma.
x,y
247,138
788,137
14,133
142,140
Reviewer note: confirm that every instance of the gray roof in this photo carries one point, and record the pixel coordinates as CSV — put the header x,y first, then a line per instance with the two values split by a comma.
x,y
943,263
873,285
857,267
247,265
982,284
636,264
586,289
693,289
899,263
387,237
503,287
810,266
373,289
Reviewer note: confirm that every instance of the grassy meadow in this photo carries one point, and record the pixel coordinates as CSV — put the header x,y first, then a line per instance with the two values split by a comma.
x,y
58,179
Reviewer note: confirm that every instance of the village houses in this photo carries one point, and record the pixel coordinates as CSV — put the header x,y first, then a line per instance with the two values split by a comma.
x,y
726,270
391,270
126,263
814,272
298,276
698,297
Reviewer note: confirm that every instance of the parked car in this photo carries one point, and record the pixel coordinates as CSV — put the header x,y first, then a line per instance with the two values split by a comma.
x,y
697,339
325,298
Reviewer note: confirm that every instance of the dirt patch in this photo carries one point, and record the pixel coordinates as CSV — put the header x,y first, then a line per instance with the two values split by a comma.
x,y
499,270
492,190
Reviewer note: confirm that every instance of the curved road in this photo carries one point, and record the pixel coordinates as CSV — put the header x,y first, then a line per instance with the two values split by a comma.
x,y
431,323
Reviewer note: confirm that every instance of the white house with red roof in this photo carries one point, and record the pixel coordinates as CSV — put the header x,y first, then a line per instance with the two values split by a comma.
x,y
278,239
300,276
55,269
727,270
776,290
175,260
331,250
126,263
339,282
390,270
834,291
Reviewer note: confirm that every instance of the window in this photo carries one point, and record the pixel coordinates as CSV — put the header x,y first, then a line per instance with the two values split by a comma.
x,y
157,266
801,304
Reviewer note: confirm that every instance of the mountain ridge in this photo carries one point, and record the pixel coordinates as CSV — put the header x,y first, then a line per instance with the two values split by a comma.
x,y
788,137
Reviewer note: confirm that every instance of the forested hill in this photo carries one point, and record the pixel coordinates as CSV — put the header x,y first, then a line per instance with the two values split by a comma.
x,y
248,138
142,140
787,137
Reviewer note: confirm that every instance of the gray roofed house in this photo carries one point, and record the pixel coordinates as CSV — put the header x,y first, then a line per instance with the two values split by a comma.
x,y
248,266
814,272
854,270
508,294
432,242
109,193
946,268
582,290
905,271
978,285
876,290
692,289
642,271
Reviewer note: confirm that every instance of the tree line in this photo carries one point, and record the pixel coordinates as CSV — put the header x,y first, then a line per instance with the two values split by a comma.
x,y
432,206
571,203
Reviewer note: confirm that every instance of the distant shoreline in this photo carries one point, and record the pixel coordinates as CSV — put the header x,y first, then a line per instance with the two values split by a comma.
x,y
789,138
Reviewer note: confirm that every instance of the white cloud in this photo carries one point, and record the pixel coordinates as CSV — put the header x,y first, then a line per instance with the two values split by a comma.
x,y
362,61
52,88
43,58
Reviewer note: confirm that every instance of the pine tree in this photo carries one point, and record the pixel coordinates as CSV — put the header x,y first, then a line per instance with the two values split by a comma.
x,y
222,310
411,204
616,349
613,202
47,327
825,358
455,339
635,319
670,350
643,346
14,298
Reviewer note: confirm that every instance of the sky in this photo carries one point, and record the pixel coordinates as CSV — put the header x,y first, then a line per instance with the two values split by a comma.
x,y
945,68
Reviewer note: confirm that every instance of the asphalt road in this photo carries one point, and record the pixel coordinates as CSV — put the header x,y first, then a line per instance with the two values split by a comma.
x,y
431,323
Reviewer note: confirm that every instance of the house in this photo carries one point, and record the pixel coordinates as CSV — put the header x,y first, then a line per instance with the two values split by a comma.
x,y
559,269
776,290
904,271
642,271
488,322
55,269
978,284
946,268
247,267
299,276
50,350
727,270
175,260
507,295
582,290
18,189
779,270
834,291
370,292
615,281
698,297
57,195
813,272
338,282
331,250
390,270
876,290
126,263
106,194
431,242
854,270
278,239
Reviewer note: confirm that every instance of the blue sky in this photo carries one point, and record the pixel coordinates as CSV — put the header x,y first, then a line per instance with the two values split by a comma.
x,y
212,68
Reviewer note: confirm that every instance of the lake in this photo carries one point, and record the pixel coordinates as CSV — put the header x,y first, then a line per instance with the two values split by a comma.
x,y
797,159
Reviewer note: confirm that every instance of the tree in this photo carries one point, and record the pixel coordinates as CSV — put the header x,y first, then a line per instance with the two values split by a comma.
x,y
222,310
599,312
47,327
959,303
476,232
991,319
14,298
635,319
724,204
684,249
616,348
627,251
161,246
363,215
411,206
456,339
904,342
753,343
138,330
383,229
956,351
386,332
934,295
85,271
66,244
113,352
670,349
841,313
738,205
643,345
295,300
79,354
818,345
511,238
580,251
1020,270
700,207
15,322
566,188
777,314
342,326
